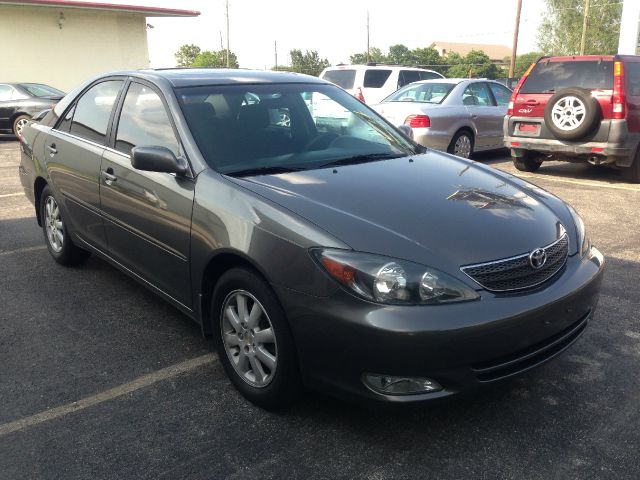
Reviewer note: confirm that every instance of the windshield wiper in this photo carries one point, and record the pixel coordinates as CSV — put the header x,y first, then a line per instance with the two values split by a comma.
x,y
248,172
369,157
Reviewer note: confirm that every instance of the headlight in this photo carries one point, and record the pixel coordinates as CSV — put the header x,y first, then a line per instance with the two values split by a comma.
x,y
584,243
389,281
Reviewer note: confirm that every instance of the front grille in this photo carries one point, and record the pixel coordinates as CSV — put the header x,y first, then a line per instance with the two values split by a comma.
x,y
530,357
516,273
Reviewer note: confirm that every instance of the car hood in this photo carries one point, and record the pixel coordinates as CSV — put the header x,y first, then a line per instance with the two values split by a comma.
x,y
434,209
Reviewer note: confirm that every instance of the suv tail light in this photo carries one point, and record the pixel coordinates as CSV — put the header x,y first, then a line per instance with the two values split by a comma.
x,y
418,121
618,90
516,91
358,94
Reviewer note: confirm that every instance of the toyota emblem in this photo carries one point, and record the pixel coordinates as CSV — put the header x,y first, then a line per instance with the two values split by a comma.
x,y
538,258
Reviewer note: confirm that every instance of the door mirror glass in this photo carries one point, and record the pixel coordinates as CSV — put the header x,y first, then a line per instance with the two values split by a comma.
x,y
158,159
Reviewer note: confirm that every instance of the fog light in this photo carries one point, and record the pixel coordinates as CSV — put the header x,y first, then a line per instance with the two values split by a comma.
x,y
391,385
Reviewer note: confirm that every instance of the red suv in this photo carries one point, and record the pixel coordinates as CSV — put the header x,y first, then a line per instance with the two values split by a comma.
x,y
576,109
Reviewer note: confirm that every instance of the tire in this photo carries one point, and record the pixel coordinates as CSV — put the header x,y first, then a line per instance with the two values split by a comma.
x,y
572,113
243,350
632,173
529,163
18,124
461,144
56,235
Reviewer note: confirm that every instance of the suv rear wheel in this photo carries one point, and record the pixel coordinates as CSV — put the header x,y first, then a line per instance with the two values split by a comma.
x,y
530,162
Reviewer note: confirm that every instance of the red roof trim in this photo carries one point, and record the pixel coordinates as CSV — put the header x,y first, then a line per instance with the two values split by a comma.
x,y
149,11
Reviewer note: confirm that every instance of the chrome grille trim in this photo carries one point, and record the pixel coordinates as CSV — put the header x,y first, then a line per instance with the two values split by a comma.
x,y
515,273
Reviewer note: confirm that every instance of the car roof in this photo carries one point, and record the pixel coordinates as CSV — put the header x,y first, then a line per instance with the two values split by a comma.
x,y
379,66
188,77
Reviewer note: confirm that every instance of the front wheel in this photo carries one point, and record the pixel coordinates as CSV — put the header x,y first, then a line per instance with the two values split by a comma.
x,y
253,339
56,234
461,145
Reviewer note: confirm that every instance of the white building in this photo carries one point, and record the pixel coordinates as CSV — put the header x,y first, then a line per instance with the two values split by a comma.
x,y
63,42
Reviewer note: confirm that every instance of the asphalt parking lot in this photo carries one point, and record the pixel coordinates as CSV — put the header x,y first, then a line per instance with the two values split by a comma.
x,y
100,379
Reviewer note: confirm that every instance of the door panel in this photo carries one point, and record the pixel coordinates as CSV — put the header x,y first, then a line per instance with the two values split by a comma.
x,y
147,214
147,218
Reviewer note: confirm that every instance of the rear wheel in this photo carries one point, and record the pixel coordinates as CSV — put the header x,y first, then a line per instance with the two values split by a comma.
x,y
530,162
253,339
55,232
19,123
462,144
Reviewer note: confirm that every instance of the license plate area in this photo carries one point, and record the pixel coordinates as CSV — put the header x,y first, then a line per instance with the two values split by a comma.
x,y
528,129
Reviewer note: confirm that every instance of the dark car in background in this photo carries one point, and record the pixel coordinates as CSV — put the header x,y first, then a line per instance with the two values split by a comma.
x,y
339,255
579,109
19,102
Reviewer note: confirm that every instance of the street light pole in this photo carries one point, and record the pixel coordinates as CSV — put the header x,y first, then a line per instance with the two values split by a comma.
x,y
227,4
514,48
368,54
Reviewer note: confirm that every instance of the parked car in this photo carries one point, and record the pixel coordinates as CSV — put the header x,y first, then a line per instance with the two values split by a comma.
x,y
356,263
21,101
577,109
372,83
459,116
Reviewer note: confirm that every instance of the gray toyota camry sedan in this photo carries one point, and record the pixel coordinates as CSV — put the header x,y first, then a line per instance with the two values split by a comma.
x,y
311,239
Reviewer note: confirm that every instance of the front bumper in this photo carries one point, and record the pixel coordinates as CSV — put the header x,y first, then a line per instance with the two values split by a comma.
x,y
461,346
611,140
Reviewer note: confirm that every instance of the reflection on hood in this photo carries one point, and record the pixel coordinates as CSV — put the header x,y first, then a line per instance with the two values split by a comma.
x,y
484,199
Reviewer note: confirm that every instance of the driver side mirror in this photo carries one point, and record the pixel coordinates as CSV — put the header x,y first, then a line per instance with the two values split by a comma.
x,y
158,159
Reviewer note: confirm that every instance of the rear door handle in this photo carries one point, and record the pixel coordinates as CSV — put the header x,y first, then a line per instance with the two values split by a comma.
x,y
108,176
532,102
52,149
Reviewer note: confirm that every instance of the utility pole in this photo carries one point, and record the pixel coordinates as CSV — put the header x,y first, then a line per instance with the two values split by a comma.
x,y
368,54
585,23
228,64
514,48
275,51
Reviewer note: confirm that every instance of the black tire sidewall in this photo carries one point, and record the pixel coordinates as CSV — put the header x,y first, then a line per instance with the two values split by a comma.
x,y
284,387
593,114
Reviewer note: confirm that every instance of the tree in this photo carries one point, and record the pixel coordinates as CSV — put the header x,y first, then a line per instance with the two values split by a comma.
x,y
375,54
401,55
186,55
524,61
561,28
475,62
217,59
308,62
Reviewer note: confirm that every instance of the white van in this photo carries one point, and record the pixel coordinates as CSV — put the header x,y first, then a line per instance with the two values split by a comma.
x,y
372,83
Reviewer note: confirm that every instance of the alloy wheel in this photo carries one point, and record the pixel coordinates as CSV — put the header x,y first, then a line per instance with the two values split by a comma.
x,y
20,124
248,338
568,113
462,147
53,224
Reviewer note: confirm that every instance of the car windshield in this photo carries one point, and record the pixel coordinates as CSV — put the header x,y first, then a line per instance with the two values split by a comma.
x,y
549,77
421,93
40,90
247,129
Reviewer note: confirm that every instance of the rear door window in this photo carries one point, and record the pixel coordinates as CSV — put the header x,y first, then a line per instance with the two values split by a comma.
x,y
501,94
375,78
428,75
342,78
93,111
549,77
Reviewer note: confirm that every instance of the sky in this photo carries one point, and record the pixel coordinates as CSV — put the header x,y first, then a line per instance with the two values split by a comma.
x,y
335,28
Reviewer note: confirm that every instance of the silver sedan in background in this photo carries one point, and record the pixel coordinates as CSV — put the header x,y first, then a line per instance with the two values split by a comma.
x,y
459,116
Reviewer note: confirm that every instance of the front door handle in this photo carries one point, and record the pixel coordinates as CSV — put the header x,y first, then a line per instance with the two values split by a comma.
x,y
108,176
52,149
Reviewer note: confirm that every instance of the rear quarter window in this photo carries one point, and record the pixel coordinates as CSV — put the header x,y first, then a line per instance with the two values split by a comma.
x,y
375,78
632,73
549,77
342,78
